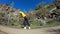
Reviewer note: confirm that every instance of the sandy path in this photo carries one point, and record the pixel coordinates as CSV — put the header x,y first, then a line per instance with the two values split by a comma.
x,y
51,30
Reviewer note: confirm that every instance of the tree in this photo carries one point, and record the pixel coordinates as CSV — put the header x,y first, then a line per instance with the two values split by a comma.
x,y
57,3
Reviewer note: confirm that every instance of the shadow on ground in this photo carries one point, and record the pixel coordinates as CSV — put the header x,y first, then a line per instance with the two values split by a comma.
x,y
57,31
1,32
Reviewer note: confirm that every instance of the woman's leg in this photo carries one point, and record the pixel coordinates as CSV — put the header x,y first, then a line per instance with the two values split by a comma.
x,y
24,23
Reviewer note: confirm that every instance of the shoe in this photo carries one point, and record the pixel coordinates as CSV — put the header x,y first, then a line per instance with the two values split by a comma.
x,y
24,27
29,27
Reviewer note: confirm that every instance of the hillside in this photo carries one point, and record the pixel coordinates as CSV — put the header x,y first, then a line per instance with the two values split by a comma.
x,y
10,16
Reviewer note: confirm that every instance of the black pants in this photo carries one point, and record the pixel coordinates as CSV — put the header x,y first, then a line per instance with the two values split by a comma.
x,y
26,22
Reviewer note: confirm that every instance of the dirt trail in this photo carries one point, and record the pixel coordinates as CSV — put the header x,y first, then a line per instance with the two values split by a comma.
x,y
51,30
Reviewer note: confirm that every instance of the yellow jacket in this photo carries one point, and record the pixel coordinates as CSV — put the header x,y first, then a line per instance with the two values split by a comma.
x,y
22,14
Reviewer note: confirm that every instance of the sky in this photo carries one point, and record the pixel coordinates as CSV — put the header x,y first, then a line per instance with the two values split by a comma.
x,y
25,4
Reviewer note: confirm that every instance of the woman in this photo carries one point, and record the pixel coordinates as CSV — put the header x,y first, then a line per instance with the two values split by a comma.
x,y
25,20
